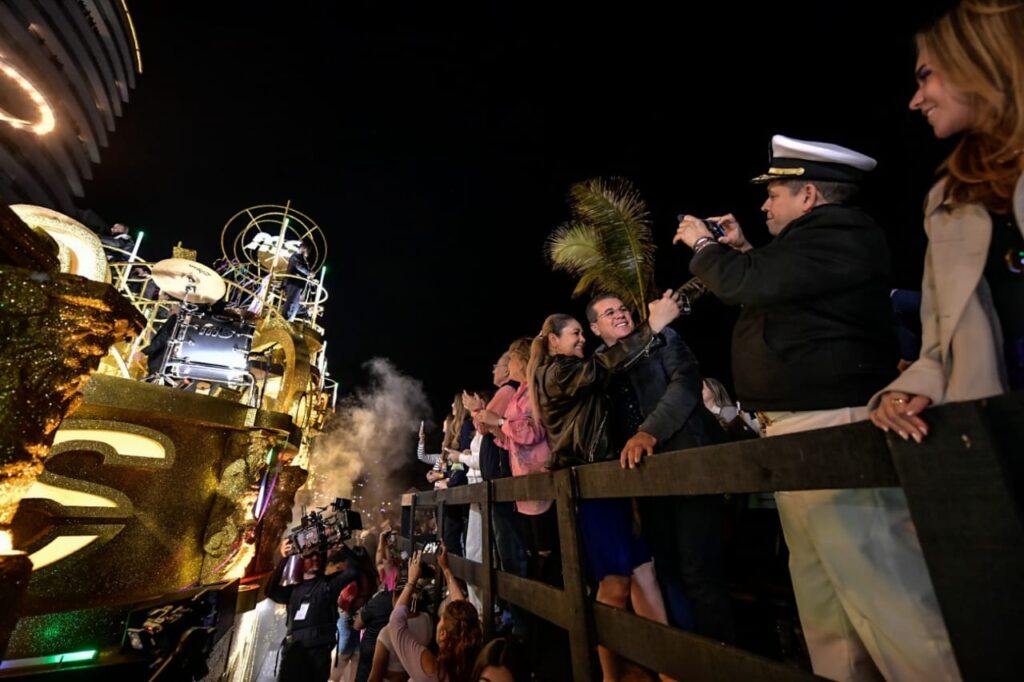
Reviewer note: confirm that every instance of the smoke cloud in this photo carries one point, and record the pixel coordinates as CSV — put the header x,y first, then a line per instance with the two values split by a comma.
x,y
367,442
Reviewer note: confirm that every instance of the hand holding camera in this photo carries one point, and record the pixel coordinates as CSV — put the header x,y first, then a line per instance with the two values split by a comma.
x,y
415,567
732,233
694,231
442,559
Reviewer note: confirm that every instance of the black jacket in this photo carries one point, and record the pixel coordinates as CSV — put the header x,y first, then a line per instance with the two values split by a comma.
x,y
318,628
816,330
573,403
667,383
157,347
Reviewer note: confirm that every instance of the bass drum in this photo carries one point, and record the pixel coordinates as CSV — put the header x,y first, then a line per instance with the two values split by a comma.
x,y
215,348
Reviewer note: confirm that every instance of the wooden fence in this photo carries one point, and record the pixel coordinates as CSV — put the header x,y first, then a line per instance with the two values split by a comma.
x,y
963,487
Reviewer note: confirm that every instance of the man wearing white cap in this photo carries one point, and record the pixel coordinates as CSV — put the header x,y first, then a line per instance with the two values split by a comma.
x,y
813,343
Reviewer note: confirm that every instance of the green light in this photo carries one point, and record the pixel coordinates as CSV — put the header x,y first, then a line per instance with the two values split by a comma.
x,y
79,656
55,659
325,268
141,233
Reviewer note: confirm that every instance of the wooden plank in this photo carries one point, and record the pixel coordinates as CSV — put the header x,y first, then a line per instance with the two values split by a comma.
x,y
968,519
579,621
543,600
404,545
533,487
426,498
684,655
463,494
853,456
470,571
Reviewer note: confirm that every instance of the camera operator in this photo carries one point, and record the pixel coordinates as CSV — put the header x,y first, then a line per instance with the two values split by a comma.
x,y
813,343
312,614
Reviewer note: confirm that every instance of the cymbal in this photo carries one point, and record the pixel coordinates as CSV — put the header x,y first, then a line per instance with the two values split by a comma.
x,y
176,276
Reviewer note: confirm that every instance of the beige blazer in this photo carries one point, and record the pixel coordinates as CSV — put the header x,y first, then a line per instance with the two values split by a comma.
x,y
961,341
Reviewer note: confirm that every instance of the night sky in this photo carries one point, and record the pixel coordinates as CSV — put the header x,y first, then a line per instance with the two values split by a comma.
x,y
436,147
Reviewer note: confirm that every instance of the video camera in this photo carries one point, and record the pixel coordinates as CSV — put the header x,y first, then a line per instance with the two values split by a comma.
x,y
319,532
178,634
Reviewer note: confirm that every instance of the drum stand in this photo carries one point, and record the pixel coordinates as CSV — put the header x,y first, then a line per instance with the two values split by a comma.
x,y
185,310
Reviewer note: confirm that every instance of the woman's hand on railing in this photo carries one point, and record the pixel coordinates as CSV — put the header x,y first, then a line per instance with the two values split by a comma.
x,y
899,412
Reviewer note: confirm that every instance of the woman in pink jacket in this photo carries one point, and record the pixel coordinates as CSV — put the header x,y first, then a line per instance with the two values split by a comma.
x,y
527,443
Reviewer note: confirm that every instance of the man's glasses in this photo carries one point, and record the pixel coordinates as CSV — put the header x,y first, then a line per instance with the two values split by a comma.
x,y
611,312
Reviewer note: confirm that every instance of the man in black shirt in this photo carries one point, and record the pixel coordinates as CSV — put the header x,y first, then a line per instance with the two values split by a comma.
x,y
312,616
298,267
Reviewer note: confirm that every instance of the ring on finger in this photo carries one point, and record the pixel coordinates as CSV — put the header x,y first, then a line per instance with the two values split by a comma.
x,y
898,401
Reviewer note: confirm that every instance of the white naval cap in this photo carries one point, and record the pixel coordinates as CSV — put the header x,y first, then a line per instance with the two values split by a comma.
x,y
792,159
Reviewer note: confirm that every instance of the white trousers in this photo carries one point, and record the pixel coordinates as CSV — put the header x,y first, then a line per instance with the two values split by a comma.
x,y
474,550
866,602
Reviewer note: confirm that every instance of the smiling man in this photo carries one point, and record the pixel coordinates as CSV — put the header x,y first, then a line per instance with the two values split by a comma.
x,y
656,406
814,342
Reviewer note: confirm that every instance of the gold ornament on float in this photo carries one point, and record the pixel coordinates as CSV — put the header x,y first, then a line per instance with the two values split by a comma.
x,y
80,251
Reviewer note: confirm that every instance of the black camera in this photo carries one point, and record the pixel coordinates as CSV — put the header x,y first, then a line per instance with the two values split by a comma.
x,y
177,633
319,532
714,227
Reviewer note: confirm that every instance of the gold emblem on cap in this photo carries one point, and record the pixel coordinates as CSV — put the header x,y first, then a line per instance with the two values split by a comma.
x,y
785,171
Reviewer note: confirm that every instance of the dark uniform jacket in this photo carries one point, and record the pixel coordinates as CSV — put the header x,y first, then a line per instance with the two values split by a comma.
x,y
816,331
573,403
298,265
667,384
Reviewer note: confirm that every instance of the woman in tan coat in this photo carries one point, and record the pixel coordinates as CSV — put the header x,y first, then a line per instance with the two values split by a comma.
x,y
970,74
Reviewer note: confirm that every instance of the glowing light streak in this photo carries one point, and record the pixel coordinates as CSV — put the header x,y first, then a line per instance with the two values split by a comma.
x,y
135,37
55,659
46,121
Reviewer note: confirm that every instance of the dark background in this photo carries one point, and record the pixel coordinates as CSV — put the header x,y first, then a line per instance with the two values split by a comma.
x,y
436,146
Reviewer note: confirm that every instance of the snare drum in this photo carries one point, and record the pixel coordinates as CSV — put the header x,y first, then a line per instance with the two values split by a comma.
x,y
213,348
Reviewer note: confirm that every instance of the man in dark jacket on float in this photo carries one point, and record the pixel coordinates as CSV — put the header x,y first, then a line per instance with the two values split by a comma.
x,y
298,272
656,406
814,342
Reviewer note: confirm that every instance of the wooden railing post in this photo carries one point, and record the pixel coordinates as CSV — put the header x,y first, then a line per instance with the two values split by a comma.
x,y
412,526
959,491
581,628
440,517
487,589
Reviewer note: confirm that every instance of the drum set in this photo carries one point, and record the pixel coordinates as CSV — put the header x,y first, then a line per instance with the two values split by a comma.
x,y
208,341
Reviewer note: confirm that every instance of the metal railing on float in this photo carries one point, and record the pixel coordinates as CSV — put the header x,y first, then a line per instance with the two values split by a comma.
x,y
963,488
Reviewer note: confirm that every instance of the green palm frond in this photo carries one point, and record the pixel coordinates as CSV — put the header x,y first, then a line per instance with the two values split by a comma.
x,y
608,244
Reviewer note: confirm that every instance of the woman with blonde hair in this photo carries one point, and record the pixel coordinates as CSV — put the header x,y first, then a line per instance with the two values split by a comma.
x,y
529,453
970,83
970,74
